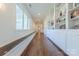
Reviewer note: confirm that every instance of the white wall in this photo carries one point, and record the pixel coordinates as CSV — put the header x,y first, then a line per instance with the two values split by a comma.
x,y
7,22
8,32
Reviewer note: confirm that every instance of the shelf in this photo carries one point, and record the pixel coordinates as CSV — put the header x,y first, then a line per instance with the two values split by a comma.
x,y
61,23
75,27
62,18
75,8
75,18
62,26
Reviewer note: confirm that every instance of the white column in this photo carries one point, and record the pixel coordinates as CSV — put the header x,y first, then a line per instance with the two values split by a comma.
x,y
67,24
73,5
54,17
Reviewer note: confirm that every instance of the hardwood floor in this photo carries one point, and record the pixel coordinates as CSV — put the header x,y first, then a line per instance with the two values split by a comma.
x,y
41,46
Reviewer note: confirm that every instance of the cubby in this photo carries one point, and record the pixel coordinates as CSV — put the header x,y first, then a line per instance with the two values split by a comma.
x,y
73,16
66,16
60,16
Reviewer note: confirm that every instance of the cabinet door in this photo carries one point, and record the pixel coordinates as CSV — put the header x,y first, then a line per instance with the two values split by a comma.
x,y
72,42
61,37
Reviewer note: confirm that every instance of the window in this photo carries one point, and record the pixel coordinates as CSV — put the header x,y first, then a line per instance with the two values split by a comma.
x,y
22,21
25,22
29,23
19,18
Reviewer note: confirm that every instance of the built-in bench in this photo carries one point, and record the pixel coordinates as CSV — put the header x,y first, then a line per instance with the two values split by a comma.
x,y
16,47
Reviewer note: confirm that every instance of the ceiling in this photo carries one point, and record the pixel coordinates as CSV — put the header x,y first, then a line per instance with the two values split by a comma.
x,y
39,10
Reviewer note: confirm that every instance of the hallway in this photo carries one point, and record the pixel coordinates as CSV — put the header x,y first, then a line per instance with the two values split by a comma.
x,y
41,46
39,29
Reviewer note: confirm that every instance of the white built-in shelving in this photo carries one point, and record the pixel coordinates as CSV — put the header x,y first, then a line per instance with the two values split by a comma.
x,y
60,16
63,16
74,20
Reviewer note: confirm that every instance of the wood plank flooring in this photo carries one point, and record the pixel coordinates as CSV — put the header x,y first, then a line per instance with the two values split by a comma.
x,y
41,46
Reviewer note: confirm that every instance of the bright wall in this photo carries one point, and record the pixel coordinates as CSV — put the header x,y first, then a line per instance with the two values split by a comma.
x,y
8,32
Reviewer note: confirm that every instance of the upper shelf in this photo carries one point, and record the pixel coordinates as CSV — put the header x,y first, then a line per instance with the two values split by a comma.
x,y
75,8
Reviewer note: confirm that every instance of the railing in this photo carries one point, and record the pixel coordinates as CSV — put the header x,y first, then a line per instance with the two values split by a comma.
x,y
8,47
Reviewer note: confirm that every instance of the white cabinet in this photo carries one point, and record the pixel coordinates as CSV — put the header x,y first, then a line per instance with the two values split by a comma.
x,y
58,37
67,40
72,42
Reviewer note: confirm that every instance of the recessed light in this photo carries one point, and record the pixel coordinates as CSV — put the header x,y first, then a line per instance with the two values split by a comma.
x,y
2,6
38,13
